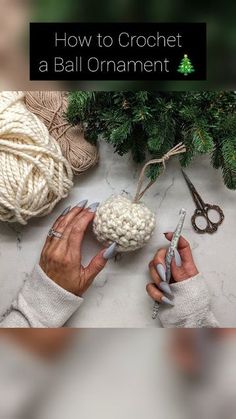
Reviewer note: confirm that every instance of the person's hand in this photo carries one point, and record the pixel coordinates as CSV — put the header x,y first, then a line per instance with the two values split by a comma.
x,y
61,257
182,267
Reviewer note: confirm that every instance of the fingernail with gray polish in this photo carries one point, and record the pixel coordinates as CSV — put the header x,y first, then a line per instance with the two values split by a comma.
x,y
65,211
178,260
165,288
110,251
166,300
82,204
93,207
161,271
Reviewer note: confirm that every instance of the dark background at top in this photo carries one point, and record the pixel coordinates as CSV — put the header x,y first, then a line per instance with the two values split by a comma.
x,y
221,29
219,16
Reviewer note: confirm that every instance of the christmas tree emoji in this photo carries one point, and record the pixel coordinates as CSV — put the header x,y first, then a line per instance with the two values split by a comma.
x,y
185,66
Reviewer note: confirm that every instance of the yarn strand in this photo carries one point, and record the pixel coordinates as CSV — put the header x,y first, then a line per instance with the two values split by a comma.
x,y
50,107
178,149
34,175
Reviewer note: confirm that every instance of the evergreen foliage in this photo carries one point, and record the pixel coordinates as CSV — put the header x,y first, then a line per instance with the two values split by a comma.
x,y
148,124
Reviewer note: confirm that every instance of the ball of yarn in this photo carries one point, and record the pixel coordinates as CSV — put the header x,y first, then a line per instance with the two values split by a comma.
x,y
51,107
34,175
128,224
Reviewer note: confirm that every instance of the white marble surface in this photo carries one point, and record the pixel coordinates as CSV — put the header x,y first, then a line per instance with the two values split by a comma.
x,y
118,297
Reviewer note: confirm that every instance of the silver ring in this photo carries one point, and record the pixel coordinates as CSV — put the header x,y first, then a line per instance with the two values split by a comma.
x,y
54,233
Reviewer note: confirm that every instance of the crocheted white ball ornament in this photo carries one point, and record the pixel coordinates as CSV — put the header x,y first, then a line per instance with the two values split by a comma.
x,y
128,224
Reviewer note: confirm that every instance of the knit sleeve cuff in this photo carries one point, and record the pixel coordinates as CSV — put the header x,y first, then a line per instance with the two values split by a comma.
x,y
44,303
192,305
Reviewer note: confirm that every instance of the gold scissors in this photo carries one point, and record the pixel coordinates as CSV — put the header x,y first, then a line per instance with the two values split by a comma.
x,y
202,210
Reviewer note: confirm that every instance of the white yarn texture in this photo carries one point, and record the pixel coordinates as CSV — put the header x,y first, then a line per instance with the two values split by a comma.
x,y
128,224
34,175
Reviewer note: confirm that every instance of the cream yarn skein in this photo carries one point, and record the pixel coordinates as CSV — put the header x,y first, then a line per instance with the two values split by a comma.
x,y
128,224
34,175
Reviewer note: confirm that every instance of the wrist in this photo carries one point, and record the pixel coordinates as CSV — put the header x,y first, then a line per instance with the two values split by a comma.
x,y
191,273
60,280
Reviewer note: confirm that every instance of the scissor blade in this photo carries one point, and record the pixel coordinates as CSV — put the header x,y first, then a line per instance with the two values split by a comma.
x,y
196,197
190,186
189,183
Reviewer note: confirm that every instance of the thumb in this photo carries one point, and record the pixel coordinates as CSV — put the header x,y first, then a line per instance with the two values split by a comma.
x,y
95,266
176,271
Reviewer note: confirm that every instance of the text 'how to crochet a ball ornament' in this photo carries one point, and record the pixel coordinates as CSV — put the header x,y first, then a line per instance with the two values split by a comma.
x,y
127,223
34,176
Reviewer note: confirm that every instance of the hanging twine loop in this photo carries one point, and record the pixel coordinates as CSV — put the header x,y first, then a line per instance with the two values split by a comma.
x,y
178,149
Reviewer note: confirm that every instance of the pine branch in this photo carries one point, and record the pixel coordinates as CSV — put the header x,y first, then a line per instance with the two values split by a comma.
x,y
120,134
229,176
154,171
150,123
203,142
79,104
216,156
229,153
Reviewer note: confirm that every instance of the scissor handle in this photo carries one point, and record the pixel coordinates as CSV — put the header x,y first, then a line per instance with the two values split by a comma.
x,y
211,226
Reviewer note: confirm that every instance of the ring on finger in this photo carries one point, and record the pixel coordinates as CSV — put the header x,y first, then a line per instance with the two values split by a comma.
x,y
54,233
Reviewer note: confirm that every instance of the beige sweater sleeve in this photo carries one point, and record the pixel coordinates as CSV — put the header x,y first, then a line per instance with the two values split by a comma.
x,y
192,307
41,303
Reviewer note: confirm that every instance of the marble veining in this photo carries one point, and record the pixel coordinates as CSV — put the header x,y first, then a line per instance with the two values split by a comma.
x,y
18,233
166,192
118,297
